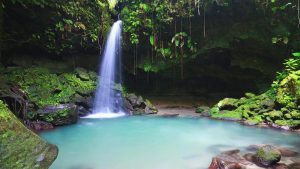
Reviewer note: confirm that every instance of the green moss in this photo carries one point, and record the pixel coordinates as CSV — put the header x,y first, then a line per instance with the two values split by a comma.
x,y
288,116
295,114
288,123
275,114
200,109
234,115
45,88
279,105
268,155
255,120
249,95
227,104
20,148
214,110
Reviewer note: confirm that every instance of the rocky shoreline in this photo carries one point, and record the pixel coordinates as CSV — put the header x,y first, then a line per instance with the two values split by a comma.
x,y
257,157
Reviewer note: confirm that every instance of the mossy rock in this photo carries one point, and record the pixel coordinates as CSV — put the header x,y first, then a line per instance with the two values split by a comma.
x,y
279,106
295,114
288,123
21,148
268,155
45,88
59,115
214,110
82,74
254,120
249,95
228,104
150,108
275,115
202,109
228,115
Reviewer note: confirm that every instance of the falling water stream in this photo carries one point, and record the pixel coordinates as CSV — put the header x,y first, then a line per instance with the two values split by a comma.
x,y
108,100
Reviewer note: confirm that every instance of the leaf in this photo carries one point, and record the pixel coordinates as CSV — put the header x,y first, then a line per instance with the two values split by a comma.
x,y
151,40
296,54
274,40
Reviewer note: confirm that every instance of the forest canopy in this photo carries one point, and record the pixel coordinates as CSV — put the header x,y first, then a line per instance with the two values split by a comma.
x,y
171,32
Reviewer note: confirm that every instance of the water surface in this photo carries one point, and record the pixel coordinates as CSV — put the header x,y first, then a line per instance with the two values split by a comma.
x,y
154,142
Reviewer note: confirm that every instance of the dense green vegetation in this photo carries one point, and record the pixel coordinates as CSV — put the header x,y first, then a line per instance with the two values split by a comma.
x,y
277,107
172,32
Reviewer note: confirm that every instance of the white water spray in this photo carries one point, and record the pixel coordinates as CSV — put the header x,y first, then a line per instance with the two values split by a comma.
x,y
108,101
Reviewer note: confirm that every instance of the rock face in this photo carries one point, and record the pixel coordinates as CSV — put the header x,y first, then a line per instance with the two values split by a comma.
x,y
268,155
136,105
59,115
21,148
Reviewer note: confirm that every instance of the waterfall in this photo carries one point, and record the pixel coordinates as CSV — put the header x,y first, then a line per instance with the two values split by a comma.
x,y
108,101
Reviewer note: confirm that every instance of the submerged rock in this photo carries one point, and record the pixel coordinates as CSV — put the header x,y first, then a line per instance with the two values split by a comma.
x,y
20,148
268,155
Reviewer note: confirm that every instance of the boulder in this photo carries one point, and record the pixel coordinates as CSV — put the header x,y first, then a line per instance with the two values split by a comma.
x,y
253,148
203,110
132,98
275,114
228,104
136,105
58,115
218,163
228,115
82,74
250,157
229,160
268,155
150,108
268,104
21,148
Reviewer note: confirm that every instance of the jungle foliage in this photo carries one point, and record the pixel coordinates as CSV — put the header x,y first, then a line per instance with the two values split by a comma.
x,y
171,31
